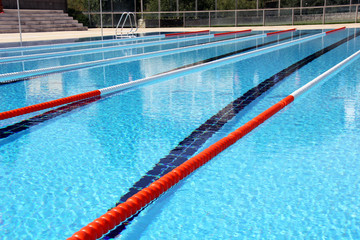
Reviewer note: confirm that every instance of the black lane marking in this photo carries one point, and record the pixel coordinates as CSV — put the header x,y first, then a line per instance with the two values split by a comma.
x,y
26,124
197,138
36,120
192,64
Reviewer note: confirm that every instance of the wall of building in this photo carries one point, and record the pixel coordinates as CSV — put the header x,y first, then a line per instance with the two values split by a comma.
x,y
36,4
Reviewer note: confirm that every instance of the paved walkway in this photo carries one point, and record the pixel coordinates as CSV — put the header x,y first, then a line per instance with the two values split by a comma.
x,y
93,32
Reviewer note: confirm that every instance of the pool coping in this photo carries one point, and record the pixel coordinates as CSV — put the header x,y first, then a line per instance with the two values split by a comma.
x,y
96,32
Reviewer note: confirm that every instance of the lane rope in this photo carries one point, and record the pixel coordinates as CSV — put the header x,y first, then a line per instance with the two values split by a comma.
x,y
335,30
332,70
103,49
89,43
111,61
43,56
232,33
280,32
85,43
159,77
138,201
186,33
28,123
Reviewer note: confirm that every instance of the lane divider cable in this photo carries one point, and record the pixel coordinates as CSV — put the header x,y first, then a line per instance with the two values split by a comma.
x,y
106,42
280,32
138,201
101,49
89,43
12,76
86,43
123,47
186,33
156,78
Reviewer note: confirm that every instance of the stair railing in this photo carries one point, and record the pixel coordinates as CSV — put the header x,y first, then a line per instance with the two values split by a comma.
x,y
122,21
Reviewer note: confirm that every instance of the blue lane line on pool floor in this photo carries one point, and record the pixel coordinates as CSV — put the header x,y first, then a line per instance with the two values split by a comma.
x,y
198,137
26,124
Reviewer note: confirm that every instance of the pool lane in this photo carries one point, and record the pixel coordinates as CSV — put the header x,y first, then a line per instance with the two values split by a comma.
x,y
13,52
27,68
160,77
17,76
32,65
195,141
82,138
192,143
34,121
27,75
69,46
122,69
60,48
102,49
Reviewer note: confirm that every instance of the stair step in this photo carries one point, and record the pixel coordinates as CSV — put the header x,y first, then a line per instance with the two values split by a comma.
x,y
13,22
42,26
26,11
38,21
34,17
41,30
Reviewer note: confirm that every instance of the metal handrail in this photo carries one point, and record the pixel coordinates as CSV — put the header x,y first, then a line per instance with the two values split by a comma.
x,y
132,30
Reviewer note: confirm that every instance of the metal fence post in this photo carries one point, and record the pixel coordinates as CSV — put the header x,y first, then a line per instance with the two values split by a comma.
x,y
323,18
19,20
184,19
279,8
101,21
292,16
209,19
356,13
159,15
235,18
112,13
263,17
89,9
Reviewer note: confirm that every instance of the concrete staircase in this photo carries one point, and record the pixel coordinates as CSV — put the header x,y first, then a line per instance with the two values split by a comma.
x,y
38,21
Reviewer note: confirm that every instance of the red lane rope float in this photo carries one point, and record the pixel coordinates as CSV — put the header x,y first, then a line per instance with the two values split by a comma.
x,y
185,33
121,212
335,30
283,31
50,104
230,33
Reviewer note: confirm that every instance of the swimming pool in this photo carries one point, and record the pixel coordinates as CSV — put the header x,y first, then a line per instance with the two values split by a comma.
x,y
293,177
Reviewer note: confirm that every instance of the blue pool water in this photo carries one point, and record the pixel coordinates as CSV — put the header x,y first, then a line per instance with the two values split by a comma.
x,y
294,177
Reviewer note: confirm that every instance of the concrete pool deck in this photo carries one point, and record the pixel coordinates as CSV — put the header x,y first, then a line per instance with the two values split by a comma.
x,y
93,32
